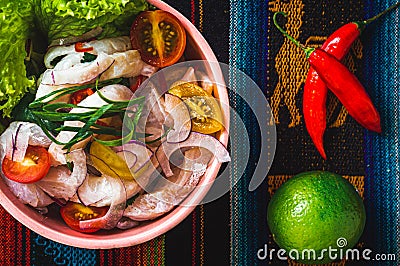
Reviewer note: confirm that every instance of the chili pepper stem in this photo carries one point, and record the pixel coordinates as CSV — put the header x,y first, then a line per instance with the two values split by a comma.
x,y
307,50
366,22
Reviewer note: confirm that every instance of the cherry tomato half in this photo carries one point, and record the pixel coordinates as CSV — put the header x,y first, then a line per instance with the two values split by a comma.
x,y
34,167
204,108
72,213
159,37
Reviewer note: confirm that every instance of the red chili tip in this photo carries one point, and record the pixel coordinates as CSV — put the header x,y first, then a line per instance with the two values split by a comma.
x,y
374,126
322,152
320,148
377,128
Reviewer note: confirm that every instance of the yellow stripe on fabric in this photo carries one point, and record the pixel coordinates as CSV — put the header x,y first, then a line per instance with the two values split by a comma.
x,y
201,235
162,244
201,14
202,220
139,257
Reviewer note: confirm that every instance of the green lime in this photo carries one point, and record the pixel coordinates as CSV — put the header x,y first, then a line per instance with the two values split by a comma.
x,y
317,212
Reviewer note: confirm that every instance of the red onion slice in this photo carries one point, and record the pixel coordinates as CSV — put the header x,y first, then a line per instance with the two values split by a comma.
x,y
16,138
129,157
195,139
114,213
140,150
20,143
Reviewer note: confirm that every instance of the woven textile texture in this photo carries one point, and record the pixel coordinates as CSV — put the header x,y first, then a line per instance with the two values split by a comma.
x,y
381,73
248,53
280,69
230,230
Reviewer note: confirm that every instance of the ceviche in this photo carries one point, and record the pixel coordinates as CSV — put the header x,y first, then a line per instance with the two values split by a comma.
x,y
96,137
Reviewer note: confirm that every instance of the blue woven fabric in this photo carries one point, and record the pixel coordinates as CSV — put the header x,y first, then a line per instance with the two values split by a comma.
x,y
382,78
47,251
248,53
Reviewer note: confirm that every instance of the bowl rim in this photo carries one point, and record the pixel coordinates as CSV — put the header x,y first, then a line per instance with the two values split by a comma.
x,y
151,230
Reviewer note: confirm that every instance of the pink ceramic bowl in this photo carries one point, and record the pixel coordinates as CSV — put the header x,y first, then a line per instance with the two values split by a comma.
x,y
54,228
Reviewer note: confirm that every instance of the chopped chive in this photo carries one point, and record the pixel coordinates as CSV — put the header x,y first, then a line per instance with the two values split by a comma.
x,y
49,116
61,92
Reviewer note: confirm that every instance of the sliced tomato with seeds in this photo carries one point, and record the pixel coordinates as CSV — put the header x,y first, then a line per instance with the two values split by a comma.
x,y
35,166
72,213
159,37
204,109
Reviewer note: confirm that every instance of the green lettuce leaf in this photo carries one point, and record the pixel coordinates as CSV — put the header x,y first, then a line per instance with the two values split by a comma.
x,y
61,18
16,19
31,19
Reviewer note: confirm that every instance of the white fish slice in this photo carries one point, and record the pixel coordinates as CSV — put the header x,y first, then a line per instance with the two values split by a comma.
x,y
107,45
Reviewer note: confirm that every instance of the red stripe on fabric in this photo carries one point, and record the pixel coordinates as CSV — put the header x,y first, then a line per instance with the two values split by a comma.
x,y
129,255
110,257
194,237
124,256
18,241
119,257
193,10
28,246
8,234
142,254
159,250
101,257
136,255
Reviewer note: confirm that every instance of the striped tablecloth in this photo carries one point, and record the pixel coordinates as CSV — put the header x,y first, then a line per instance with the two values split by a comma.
x,y
232,229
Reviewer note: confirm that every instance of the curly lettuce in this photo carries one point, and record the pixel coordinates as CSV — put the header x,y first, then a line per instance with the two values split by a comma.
x,y
61,18
16,18
24,19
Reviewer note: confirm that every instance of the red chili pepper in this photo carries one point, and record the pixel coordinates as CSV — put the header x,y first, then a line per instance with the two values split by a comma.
x,y
79,47
315,93
315,90
342,83
78,96
347,88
